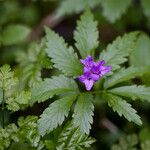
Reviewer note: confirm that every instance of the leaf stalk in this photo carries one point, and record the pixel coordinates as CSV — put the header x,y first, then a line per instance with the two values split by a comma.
x,y
3,109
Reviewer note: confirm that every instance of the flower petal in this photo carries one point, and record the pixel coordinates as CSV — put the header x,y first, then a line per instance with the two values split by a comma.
x,y
95,69
87,74
88,84
97,66
88,62
105,69
101,63
86,69
89,58
83,61
94,77
82,78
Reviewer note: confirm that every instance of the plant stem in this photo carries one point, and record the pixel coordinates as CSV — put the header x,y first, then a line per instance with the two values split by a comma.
x,y
94,92
3,109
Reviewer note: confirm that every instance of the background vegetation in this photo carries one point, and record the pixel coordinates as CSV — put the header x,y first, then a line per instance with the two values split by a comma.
x,y
24,95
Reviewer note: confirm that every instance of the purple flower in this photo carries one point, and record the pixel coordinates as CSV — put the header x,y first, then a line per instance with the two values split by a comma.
x,y
93,71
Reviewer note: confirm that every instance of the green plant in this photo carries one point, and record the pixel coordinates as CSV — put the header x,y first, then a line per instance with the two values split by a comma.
x,y
66,122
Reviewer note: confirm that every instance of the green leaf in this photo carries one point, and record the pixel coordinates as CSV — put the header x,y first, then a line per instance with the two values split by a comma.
x,y
144,134
71,139
62,56
86,34
24,146
142,50
49,144
19,101
55,85
145,145
122,108
14,34
8,136
68,7
83,113
134,91
146,7
7,79
117,52
28,130
126,143
55,114
32,62
114,9
123,75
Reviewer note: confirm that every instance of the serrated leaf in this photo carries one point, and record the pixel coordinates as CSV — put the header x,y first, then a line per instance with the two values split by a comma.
x,y
7,79
62,56
8,135
32,62
86,34
123,75
120,48
68,7
83,113
55,85
122,108
19,101
14,34
28,131
71,139
134,91
114,9
23,97
55,114
142,51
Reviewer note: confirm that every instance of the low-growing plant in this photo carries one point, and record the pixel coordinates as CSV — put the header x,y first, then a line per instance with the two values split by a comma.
x,y
84,77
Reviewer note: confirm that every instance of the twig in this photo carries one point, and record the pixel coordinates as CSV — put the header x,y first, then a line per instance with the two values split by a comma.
x,y
50,21
109,125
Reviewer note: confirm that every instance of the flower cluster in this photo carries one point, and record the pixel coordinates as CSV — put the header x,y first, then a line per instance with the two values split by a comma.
x,y
93,71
